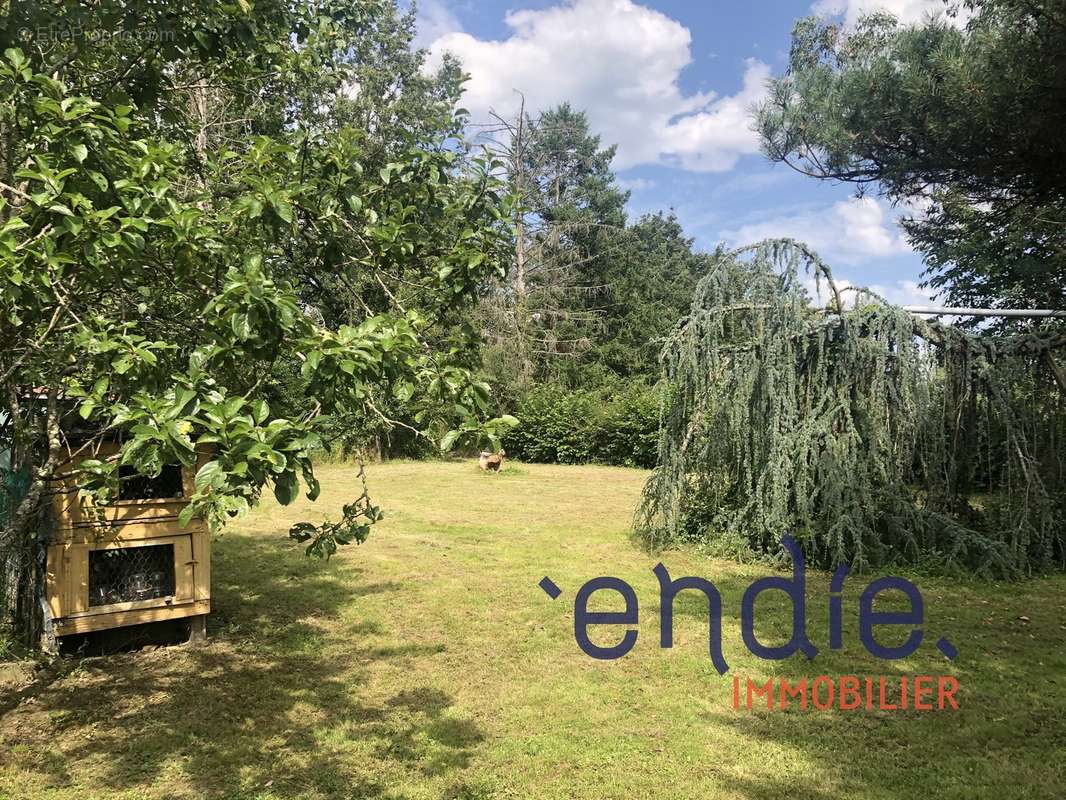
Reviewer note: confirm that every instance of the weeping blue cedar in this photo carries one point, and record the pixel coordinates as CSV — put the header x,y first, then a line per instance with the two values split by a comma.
x,y
873,436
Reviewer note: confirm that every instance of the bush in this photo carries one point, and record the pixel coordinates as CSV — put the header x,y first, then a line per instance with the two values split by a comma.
x,y
610,425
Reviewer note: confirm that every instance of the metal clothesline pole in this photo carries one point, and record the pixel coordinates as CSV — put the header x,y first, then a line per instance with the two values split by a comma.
x,y
986,312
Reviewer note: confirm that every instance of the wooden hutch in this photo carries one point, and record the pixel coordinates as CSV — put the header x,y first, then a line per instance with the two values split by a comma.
x,y
130,562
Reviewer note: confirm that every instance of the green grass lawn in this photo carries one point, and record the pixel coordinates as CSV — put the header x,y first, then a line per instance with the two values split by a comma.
x,y
427,663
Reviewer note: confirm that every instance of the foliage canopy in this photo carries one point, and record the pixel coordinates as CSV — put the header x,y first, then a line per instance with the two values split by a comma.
x,y
873,436
965,123
187,216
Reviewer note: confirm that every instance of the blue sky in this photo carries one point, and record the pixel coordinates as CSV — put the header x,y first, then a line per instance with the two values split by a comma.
x,y
671,82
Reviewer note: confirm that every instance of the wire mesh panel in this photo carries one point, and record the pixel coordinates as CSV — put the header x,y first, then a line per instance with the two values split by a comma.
x,y
19,566
13,487
131,573
19,572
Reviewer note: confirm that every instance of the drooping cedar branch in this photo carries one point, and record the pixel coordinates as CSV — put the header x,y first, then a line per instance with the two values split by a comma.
x,y
873,436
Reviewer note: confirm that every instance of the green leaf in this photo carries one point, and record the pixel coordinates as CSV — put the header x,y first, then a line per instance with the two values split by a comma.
x,y
448,441
302,531
284,210
186,514
286,487
80,152
15,57
207,475
242,326
260,411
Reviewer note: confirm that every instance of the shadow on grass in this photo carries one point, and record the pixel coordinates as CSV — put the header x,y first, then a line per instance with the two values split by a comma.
x,y
271,707
288,700
1001,742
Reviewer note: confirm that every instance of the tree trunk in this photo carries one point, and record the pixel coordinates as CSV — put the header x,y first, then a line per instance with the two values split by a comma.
x,y
520,286
21,572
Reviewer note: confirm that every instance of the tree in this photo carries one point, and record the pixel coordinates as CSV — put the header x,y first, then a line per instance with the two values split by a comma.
x,y
965,122
651,273
872,436
570,178
157,271
566,205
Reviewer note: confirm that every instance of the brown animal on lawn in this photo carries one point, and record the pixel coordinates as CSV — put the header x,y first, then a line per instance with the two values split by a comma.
x,y
491,462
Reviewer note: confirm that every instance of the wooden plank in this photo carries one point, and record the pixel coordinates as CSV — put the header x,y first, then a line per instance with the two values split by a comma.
x,y
99,622
184,569
132,605
146,542
71,515
202,554
55,584
130,531
204,453
77,579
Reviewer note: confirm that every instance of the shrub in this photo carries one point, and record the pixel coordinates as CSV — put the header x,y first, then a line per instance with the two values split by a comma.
x,y
609,425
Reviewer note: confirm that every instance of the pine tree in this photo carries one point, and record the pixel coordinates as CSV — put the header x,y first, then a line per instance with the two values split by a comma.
x,y
966,122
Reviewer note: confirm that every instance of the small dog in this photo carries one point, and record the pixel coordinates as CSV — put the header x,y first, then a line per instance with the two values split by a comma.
x,y
491,462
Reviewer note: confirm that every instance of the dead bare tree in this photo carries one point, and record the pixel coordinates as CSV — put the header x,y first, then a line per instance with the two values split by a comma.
x,y
546,309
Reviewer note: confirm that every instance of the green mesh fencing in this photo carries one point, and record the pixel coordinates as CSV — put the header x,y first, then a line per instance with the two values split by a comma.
x,y
13,487
18,567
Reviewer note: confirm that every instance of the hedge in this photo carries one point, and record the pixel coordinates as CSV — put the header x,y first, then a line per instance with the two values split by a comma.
x,y
612,425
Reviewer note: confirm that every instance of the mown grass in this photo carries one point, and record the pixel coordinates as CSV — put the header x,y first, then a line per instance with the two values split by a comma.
x,y
427,663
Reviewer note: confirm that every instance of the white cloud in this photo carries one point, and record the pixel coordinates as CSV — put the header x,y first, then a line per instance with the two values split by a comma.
x,y
906,11
433,20
900,293
849,232
621,62
635,184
